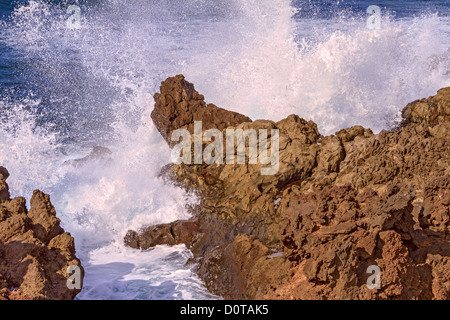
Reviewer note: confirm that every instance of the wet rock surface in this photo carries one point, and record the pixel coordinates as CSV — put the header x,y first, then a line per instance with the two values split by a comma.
x,y
171,234
336,206
35,252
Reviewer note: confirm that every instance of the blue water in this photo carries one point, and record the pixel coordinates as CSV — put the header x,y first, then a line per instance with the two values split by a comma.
x,y
65,90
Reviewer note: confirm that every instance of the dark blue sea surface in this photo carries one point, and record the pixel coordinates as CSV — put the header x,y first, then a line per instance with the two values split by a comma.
x,y
310,9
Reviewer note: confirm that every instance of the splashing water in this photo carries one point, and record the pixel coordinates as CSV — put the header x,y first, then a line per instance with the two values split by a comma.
x,y
66,90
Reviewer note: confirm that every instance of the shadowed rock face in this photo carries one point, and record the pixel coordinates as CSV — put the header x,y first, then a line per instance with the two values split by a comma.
x,y
35,252
337,205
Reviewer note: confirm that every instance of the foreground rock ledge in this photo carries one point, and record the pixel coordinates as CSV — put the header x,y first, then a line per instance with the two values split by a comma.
x,y
338,205
35,252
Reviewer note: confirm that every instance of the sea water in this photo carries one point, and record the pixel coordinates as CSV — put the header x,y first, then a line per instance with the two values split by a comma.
x,y
76,77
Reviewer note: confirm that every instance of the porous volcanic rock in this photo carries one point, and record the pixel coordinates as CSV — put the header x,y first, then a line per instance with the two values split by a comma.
x,y
336,206
178,105
35,252
332,236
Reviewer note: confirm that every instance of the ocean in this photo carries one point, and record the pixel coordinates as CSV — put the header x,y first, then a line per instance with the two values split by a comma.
x,y
79,74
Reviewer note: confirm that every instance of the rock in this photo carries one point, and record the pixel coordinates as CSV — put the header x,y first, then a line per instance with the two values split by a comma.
x,y
170,234
4,190
98,154
410,156
4,174
242,278
331,154
438,258
45,223
35,252
297,128
434,110
335,234
435,216
336,206
178,105
348,135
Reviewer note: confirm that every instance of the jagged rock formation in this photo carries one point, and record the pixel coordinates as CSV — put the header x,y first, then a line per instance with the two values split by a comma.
x,y
35,252
432,111
170,233
178,105
336,205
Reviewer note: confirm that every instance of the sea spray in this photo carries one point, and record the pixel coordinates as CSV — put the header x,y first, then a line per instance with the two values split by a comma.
x,y
339,74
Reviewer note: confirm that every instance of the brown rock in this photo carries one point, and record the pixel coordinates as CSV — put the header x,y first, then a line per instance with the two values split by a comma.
x,y
178,105
4,190
438,259
171,234
251,272
331,154
434,110
435,217
46,224
348,135
410,156
336,206
35,252
335,234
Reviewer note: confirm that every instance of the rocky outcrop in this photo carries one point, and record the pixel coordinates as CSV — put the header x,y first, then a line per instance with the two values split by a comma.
x,y
171,234
35,252
336,234
178,105
336,206
432,111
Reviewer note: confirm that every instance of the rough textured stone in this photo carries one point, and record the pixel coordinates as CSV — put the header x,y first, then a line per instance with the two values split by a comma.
x,y
337,205
4,190
178,105
171,234
434,110
335,234
35,252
